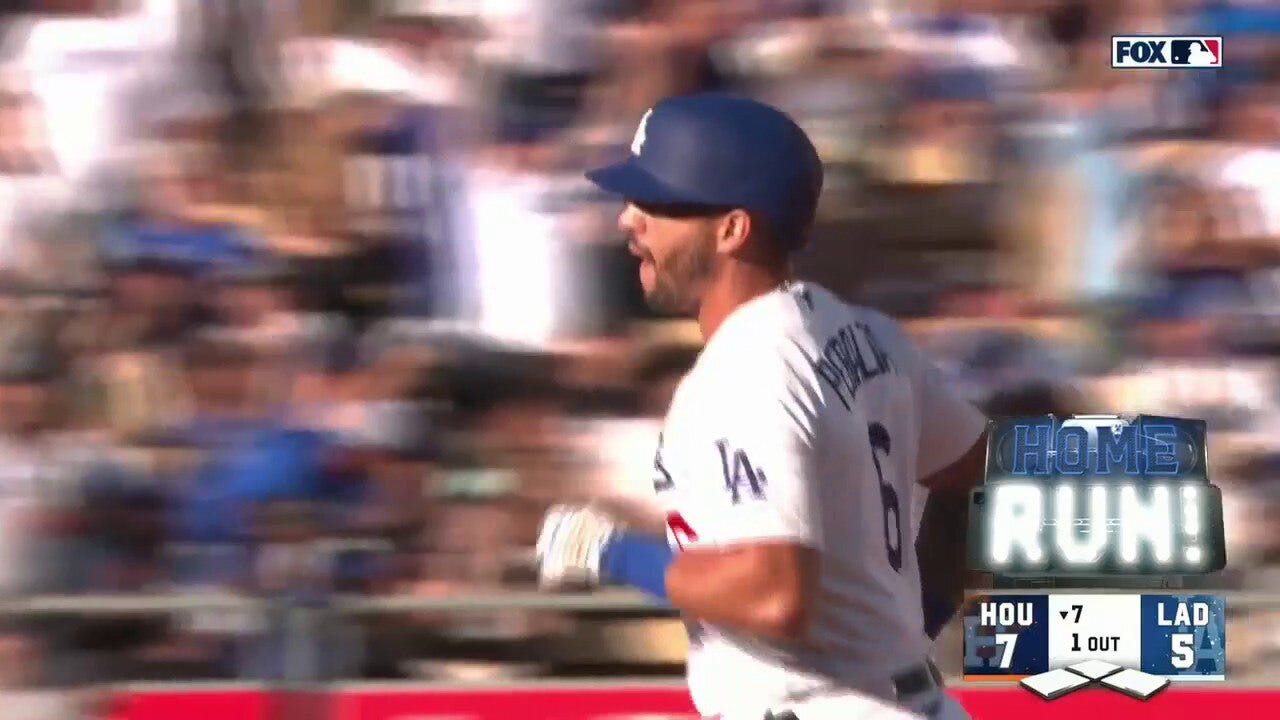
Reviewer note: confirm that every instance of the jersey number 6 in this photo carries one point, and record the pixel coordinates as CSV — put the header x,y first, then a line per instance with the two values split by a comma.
x,y
879,438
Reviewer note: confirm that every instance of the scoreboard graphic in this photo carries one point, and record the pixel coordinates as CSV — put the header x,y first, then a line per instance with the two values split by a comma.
x,y
1011,637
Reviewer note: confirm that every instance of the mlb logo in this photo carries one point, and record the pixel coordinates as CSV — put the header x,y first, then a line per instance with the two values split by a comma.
x,y
1166,51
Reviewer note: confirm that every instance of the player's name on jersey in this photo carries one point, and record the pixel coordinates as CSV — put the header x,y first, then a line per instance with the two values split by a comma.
x,y
1096,495
1009,637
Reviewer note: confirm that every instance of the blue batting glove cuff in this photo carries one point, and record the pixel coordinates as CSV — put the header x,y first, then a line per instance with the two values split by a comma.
x,y
638,561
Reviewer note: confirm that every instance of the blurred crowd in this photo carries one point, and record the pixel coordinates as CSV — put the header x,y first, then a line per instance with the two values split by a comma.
x,y
304,297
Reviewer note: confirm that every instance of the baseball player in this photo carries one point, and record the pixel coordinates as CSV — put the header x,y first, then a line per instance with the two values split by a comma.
x,y
793,451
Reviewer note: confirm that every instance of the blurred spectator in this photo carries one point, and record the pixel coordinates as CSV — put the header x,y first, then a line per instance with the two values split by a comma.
x,y
326,381
383,517
168,227
544,53
945,127
1252,134
20,398
43,509
840,97
402,166
625,441
1250,26
965,35
206,513
125,532
152,301
522,288
21,690
257,305
92,68
1196,282
31,189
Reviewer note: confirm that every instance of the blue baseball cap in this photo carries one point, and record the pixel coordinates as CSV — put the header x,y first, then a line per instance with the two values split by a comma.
x,y
722,151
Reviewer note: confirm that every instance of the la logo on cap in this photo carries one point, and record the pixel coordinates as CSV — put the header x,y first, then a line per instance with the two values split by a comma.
x,y
638,143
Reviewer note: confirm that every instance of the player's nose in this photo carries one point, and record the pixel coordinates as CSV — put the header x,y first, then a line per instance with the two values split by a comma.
x,y
630,220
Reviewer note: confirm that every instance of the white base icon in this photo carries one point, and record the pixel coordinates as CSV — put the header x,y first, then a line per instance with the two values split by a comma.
x,y
1056,683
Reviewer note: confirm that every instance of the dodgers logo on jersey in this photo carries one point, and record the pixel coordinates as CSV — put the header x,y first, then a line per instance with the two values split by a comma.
x,y
662,480
1166,51
740,476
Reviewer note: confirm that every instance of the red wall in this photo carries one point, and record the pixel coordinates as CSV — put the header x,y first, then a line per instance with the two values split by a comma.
x,y
616,702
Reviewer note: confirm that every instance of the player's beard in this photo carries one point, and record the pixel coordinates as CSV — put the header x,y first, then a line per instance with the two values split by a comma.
x,y
677,281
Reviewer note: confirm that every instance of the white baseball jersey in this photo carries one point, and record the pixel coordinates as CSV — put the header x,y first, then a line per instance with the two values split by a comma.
x,y
808,419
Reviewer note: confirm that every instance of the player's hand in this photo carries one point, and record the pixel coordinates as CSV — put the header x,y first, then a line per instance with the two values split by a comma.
x,y
570,545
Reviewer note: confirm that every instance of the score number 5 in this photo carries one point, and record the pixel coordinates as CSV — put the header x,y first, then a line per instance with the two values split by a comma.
x,y
1183,651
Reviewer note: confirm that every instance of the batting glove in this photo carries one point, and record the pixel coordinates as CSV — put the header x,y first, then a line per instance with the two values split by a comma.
x,y
570,546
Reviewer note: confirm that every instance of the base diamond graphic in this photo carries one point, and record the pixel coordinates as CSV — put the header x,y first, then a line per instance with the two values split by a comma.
x,y
1136,684
1055,683
1094,669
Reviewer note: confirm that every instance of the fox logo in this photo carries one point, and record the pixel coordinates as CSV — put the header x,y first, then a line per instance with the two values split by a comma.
x,y
1151,51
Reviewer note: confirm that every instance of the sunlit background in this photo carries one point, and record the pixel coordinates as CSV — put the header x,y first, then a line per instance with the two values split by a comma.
x,y
306,302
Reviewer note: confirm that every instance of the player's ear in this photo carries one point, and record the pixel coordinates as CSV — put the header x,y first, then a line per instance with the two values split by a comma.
x,y
734,229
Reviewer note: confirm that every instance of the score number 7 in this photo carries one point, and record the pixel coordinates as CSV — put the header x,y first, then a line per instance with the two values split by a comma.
x,y
1007,641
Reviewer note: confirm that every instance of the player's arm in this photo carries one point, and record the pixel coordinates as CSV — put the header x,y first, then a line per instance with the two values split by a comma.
x,y
760,574
763,588
951,461
941,545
